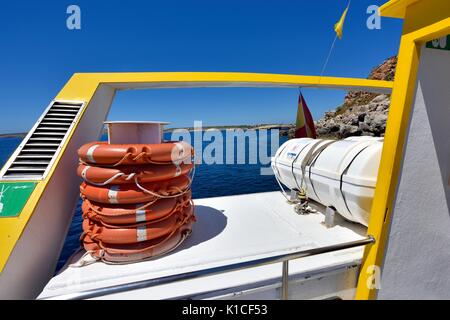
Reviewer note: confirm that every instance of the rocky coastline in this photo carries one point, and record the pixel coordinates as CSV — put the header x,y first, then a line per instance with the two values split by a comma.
x,y
362,113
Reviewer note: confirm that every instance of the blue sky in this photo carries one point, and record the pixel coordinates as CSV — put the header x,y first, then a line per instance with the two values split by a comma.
x,y
39,54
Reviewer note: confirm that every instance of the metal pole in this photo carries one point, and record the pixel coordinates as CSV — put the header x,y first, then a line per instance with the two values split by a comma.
x,y
212,271
285,281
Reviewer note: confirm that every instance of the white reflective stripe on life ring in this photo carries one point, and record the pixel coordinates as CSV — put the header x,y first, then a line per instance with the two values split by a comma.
x,y
141,233
140,215
90,153
112,194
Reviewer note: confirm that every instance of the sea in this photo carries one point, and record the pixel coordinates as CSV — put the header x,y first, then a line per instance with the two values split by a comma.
x,y
222,178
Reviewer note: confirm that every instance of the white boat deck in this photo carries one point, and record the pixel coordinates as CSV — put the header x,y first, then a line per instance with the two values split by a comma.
x,y
229,230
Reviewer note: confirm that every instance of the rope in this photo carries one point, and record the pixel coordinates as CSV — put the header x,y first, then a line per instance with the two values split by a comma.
x,y
114,177
119,175
153,246
176,209
283,192
146,205
309,158
89,203
160,195
184,236
82,262
328,58
139,156
101,253
125,157
304,208
277,173
163,196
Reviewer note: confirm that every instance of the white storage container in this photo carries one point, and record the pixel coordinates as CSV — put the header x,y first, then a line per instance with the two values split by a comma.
x,y
284,158
341,174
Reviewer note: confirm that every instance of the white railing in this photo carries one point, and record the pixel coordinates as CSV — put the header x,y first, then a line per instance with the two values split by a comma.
x,y
284,258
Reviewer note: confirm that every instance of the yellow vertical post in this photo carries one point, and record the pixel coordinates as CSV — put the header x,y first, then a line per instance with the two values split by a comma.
x,y
424,20
396,128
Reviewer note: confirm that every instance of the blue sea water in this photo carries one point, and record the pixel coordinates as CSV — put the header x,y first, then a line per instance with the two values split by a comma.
x,y
210,181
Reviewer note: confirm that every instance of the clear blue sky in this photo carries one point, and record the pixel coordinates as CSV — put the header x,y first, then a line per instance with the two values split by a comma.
x,y
39,54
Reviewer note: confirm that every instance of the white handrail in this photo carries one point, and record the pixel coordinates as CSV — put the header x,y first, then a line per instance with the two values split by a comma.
x,y
284,258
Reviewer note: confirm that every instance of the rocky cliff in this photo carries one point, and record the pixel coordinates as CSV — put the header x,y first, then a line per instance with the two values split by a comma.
x,y
362,113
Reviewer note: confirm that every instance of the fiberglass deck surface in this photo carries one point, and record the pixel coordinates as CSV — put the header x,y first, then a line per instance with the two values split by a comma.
x,y
228,230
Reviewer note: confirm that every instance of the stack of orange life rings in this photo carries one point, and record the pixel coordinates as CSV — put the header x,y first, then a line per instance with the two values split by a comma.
x,y
136,199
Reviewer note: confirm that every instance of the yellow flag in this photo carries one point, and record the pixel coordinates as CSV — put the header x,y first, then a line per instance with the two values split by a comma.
x,y
339,26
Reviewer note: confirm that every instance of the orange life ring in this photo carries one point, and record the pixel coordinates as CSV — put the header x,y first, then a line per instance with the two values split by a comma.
x,y
124,253
139,233
127,174
137,199
131,193
130,213
102,153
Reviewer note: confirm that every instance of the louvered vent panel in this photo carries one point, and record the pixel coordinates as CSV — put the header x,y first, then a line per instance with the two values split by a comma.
x,y
33,160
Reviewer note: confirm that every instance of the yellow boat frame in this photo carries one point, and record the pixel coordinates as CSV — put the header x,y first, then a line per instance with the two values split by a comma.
x,y
424,20
83,87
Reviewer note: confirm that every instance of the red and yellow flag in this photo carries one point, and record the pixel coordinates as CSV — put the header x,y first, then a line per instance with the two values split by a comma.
x,y
305,124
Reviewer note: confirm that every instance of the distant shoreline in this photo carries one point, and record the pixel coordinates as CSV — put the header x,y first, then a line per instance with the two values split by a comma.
x,y
234,127
13,135
282,127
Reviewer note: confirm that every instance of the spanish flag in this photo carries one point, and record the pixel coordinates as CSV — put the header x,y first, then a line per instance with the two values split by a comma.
x,y
339,26
305,123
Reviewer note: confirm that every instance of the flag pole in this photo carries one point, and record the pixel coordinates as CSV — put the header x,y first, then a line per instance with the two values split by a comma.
x,y
328,57
332,47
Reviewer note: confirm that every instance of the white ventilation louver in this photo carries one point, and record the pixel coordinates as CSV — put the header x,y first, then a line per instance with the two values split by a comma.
x,y
33,158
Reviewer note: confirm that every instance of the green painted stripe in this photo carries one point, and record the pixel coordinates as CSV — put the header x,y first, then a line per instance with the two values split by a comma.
x,y
13,197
